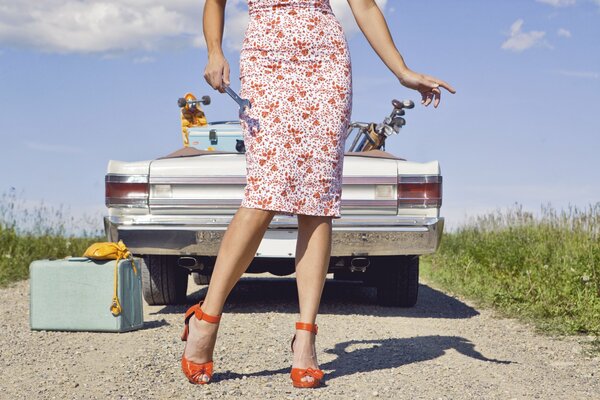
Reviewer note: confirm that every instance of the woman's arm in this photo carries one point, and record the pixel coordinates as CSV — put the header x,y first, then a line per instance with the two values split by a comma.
x,y
373,25
216,72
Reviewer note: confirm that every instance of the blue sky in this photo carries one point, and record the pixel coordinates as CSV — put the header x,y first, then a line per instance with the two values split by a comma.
x,y
82,82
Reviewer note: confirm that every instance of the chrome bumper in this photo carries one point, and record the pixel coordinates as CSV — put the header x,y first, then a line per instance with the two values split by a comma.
x,y
202,235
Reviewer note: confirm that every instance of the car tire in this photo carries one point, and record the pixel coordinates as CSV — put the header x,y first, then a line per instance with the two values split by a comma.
x,y
397,280
163,281
200,279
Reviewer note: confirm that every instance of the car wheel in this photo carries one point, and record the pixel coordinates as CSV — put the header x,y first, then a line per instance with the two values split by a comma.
x,y
163,281
397,280
200,279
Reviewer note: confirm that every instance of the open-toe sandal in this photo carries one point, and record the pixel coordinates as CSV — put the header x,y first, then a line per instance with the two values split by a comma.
x,y
299,373
192,370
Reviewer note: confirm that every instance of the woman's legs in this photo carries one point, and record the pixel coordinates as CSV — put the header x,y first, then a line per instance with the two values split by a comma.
x,y
313,251
237,249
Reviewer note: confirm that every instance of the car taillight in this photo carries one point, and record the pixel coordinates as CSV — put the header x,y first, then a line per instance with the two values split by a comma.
x,y
419,191
126,190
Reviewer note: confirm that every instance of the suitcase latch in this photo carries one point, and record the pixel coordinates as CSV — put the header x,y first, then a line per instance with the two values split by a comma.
x,y
212,136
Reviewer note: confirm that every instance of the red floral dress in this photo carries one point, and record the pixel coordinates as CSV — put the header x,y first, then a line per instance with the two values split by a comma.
x,y
296,71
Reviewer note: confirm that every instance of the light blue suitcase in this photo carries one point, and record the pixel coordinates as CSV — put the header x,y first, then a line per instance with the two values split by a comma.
x,y
75,294
216,136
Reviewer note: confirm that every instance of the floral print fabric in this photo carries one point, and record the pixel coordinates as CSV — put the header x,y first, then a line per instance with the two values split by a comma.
x,y
295,69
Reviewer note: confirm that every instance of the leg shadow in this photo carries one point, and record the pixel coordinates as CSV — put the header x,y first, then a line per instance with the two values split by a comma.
x,y
357,356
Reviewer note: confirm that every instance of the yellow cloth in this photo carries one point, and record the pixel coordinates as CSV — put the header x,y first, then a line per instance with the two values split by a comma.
x,y
111,251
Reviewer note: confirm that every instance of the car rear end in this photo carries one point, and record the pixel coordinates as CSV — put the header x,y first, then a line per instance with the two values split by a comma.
x,y
175,211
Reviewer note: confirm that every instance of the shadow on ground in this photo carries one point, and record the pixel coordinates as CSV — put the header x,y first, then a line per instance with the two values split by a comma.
x,y
255,295
358,356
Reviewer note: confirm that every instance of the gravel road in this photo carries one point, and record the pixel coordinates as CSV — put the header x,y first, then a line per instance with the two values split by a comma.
x,y
441,349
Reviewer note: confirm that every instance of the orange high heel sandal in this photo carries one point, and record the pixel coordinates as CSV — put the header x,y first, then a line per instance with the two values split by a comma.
x,y
192,370
299,373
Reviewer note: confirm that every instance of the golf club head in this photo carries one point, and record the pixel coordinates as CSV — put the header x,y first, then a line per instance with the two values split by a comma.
x,y
398,121
403,104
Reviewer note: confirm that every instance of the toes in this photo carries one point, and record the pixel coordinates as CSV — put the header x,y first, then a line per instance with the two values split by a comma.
x,y
203,379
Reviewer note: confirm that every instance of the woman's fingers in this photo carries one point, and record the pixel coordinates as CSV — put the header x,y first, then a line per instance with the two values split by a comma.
x,y
428,98
217,74
437,94
423,97
429,87
212,78
219,81
442,83
226,74
431,95
447,86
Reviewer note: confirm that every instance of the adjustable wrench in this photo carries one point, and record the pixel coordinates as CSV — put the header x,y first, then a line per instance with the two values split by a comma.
x,y
242,102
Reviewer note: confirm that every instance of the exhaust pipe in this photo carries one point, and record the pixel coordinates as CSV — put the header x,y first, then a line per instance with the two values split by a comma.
x,y
359,264
188,262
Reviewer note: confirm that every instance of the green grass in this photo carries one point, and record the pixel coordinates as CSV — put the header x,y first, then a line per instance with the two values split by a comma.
x,y
29,233
17,251
543,269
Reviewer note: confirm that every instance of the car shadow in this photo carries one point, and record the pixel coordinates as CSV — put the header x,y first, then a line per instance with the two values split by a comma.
x,y
254,295
356,356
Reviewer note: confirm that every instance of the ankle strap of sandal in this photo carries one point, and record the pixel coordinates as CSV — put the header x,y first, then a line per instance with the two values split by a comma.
x,y
307,327
201,315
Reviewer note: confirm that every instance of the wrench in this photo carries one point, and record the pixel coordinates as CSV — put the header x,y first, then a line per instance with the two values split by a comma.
x,y
242,102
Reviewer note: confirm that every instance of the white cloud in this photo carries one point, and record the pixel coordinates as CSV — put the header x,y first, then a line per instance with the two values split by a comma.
x,y
53,148
116,26
72,26
580,74
519,41
562,32
558,3
144,60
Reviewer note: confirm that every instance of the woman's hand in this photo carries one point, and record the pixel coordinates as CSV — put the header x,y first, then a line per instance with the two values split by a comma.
x,y
216,72
427,85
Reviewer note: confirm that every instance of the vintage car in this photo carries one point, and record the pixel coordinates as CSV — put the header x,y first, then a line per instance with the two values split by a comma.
x,y
173,211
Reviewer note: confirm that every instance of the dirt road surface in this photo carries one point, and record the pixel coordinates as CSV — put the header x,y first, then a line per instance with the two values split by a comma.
x,y
441,349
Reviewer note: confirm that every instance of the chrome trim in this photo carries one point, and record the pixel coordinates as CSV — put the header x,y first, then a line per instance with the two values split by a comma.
x,y
121,178
197,239
278,221
241,180
228,122
227,203
217,204
419,179
199,180
423,206
369,203
369,180
132,202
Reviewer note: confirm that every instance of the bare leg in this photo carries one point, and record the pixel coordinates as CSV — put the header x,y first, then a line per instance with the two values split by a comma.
x,y
313,252
237,249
